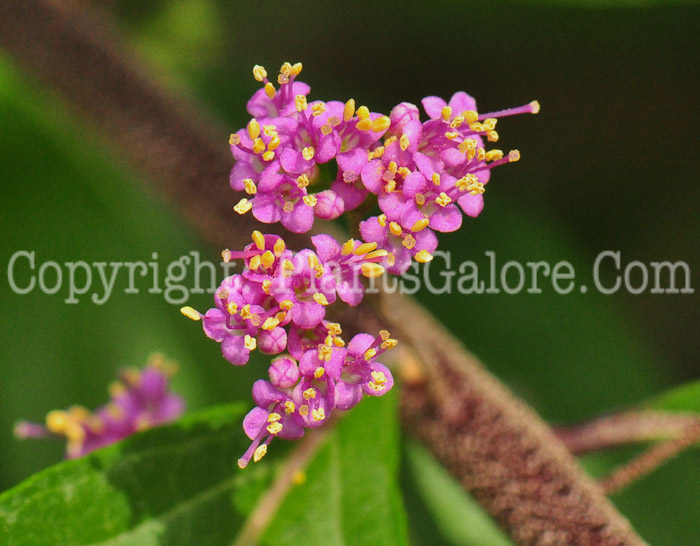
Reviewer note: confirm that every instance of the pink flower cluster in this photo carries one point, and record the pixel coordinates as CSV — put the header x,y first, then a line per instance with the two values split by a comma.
x,y
140,400
419,173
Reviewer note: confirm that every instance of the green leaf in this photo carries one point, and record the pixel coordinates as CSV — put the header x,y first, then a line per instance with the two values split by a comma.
x,y
351,495
680,399
458,519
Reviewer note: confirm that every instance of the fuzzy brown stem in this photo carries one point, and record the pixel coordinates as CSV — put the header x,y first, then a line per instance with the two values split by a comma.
x,y
497,447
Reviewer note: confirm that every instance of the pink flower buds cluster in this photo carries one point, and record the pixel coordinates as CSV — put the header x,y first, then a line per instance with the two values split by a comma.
x,y
422,175
140,400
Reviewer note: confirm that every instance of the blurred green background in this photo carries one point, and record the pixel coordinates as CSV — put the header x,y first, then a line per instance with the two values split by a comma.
x,y
610,163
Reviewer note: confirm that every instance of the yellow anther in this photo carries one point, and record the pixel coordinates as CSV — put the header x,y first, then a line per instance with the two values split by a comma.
x,y
226,255
420,225
273,417
232,308
424,256
382,220
334,328
267,259
420,199
389,344
470,116
328,342
320,298
513,156
190,313
404,171
370,354
286,305
254,262
477,127
492,136
384,334
223,294
310,200
338,342
268,155
455,123
481,154
302,181
392,167
490,123
395,229
390,260
372,270
253,129
436,178
300,103
318,414
234,140
379,377
250,343
258,146
243,206
245,312
282,79
309,393
347,247
380,124
269,130
365,124
286,68
325,353
270,323
250,187
364,248
443,199
380,253
446,113
318,109
349,110
494,155
288,206
259,453
296,69
466,145
308,153
274,428
259,72
279,247
326,129
280,316
57,421
334,121
287,267
451,135
270,90
318,372
274,143
258,239
289,407
409,242
363,112
266,286
535,106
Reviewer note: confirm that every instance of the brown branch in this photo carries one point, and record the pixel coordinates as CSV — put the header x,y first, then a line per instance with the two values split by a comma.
x,y
625,428
496,446
654,457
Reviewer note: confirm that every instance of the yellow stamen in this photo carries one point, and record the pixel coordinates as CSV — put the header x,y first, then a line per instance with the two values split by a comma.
x,y
384,334
253,129
349,110
309,393
364,248
274,428
274,143
266,286
250,343
395,229
250,187
389,344
494,155
451,135
363,112
268,156
535,105
379,253
259,453
190,313
443,199
513,156
302,181
365,124
320,298
326,129
424,256
267,259
243,206
273,417
334,328
420,225
381,219
279,247
436,178
470,116
390,260
370,354
490,124
258,239
270,323
259,72
289,407
404,143
318,372
232,308
420,199
446,113
270,90
372,270
308,153
286,305
381,124
347,247
318,109
318,414
254,262
492,136
296,69
234,140
258,146
409,242
310,200
269,130
288,206
455,123
300,103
